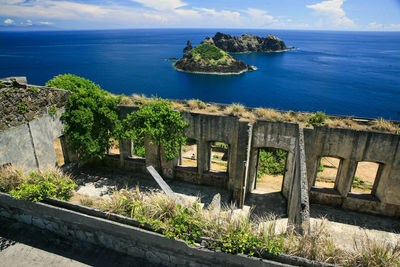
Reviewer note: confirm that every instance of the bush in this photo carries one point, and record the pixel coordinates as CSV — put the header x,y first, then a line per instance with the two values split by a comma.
x,y
41,184
157,120
271,161
317,118
91,116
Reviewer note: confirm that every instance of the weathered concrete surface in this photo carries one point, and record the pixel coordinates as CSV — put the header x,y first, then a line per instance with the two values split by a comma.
x,y
31,145
16,147
353,146
278,135
298,200
24,245
44,131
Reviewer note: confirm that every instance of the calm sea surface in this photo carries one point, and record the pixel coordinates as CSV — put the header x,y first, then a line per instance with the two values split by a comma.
x,y
349,73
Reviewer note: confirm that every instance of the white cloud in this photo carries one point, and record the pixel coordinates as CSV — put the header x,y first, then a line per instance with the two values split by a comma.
x,y
333,12
29,22
9,21
161,4
374,25
260,17
46,23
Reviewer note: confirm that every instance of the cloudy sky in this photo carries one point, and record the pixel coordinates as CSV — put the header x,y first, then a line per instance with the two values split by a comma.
x,y
269,14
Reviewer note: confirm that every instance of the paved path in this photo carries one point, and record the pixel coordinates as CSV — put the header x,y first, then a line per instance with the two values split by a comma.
x,y
24,245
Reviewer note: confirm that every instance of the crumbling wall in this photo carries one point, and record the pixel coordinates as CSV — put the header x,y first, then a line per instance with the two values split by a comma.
x,y
29,123
353,146
22,102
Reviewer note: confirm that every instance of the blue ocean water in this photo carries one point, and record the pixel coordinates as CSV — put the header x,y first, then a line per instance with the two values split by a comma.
x,y
347,73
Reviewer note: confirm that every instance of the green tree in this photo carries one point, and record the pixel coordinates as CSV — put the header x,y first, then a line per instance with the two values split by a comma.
x,y
90,117
157,120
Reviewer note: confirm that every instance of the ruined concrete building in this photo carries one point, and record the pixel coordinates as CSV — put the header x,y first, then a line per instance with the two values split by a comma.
x,y
29,139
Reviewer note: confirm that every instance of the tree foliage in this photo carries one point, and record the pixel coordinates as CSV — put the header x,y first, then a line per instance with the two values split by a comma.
x,y
91,116
158,121
271,161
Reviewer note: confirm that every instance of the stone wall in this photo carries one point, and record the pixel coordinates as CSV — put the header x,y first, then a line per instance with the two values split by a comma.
x,y
124,238
22,102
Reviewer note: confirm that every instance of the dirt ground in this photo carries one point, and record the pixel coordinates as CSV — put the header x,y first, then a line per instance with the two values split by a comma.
x,y
269,183
189,158
366,171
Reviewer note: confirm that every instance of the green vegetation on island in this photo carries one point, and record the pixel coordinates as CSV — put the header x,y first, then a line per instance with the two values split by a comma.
x,y
207,58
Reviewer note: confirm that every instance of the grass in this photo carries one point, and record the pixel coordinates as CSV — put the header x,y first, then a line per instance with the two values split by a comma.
x,y
234,231
385,125
36,185
252,115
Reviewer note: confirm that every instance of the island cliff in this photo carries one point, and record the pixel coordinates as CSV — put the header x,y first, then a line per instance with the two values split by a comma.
x,y
209,59
246,43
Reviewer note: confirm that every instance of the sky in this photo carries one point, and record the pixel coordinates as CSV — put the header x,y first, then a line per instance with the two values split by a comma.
x,y
373,15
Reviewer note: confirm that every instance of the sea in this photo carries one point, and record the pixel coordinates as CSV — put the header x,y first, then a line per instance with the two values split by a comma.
x,y
342,73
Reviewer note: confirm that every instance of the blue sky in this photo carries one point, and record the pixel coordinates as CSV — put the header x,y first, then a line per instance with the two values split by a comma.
x,y
377,15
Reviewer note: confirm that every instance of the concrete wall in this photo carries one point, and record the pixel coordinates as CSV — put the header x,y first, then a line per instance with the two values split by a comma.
x,y
123,238
280,135
351,147
30,145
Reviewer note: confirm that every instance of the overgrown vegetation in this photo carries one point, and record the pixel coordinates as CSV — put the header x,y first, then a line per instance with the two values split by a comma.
x,y
36,185
233,232
271,161
207,52
210,53
157,121
91,116
317,118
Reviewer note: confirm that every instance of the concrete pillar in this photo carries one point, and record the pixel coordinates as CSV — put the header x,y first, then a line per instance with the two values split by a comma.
x,y
298,198
125,151
152,154
289,174
203,156
382,181
345,176
252,172
239,162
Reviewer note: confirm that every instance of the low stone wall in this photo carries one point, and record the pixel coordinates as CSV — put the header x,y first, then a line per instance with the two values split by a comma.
x,y
124,238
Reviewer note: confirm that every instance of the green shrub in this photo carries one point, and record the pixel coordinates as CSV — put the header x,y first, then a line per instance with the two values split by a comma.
x,y
91,116
1,85
41,184
157,120
271,161
317,118
52,110
139,150
22,107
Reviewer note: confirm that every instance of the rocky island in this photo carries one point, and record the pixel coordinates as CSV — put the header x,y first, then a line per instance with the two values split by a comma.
x,y
246,43
209,59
